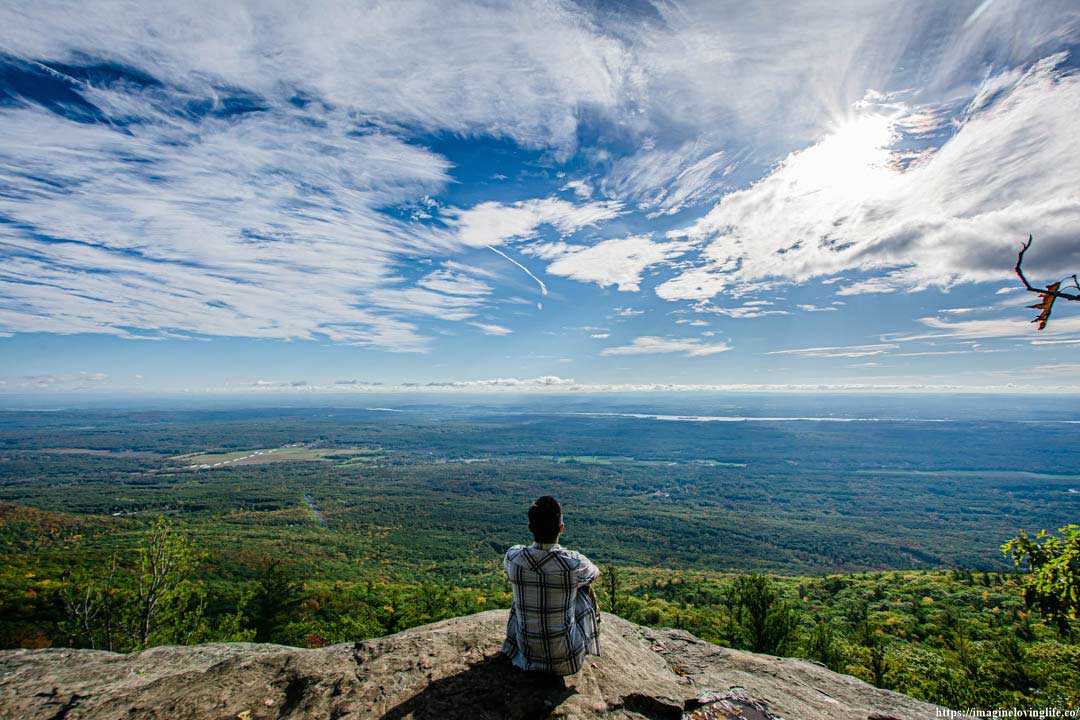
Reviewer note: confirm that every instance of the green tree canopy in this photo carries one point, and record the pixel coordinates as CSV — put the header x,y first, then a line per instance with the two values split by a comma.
x,y
1054,584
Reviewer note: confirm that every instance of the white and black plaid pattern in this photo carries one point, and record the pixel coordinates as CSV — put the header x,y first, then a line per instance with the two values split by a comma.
x,y
553,622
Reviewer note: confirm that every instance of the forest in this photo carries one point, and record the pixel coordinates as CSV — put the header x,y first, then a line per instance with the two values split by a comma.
x,y
873,547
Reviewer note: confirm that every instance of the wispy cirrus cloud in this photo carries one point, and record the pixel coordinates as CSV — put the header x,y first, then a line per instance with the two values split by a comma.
x,y
663,182
983,329
492,329
652,345
838,351
214,171
82,380
466,68
249,225
454,283
243,170
1060,368
747,311
1063,341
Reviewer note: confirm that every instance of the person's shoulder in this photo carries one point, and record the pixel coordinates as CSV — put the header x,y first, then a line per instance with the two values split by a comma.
x,y
514,550
575,556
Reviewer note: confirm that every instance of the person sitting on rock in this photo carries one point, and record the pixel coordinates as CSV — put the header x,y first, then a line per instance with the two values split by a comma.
x,y
554,622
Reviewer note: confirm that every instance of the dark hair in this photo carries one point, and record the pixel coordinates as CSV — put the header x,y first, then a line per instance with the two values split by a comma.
x,y
545,517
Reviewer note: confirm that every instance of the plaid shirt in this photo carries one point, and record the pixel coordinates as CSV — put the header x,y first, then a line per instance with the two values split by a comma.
x,y
553,621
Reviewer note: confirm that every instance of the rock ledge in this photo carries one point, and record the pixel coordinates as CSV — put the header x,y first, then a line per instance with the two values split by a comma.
x,y
443,671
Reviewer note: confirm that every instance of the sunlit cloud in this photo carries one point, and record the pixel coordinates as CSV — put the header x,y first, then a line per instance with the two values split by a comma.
x,y
841,204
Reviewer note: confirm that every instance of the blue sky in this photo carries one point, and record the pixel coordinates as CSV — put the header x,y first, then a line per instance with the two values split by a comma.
x,y
534,196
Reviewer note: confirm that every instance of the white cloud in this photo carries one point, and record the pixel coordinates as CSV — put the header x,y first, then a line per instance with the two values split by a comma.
x,y
617,262
249,184
494,223
492,329
420,301
550,250
543,381
840,204
463,269
581,188
838,351
815,308
251,227
83,380
697,283
664,181
466,68
932,353
747,311
995,328
1064,368
451,283
284,385
555,384
872,286
650,345
236,186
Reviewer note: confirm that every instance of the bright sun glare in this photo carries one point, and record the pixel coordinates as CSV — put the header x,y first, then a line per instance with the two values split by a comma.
x,y
852,161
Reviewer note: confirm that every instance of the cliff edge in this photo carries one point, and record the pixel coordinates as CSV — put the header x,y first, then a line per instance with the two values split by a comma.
x,y
443,671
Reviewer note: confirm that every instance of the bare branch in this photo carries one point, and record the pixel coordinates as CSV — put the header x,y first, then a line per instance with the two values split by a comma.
x,y
1041,291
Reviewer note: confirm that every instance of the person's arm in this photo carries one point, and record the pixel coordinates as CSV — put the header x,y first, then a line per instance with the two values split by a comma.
x,y
586,572
589,575
508,559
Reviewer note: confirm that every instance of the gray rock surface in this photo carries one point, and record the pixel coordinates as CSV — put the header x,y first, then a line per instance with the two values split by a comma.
x,y
443,671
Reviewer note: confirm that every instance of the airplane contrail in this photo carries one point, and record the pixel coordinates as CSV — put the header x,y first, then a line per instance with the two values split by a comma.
x,y
543,287
978,11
